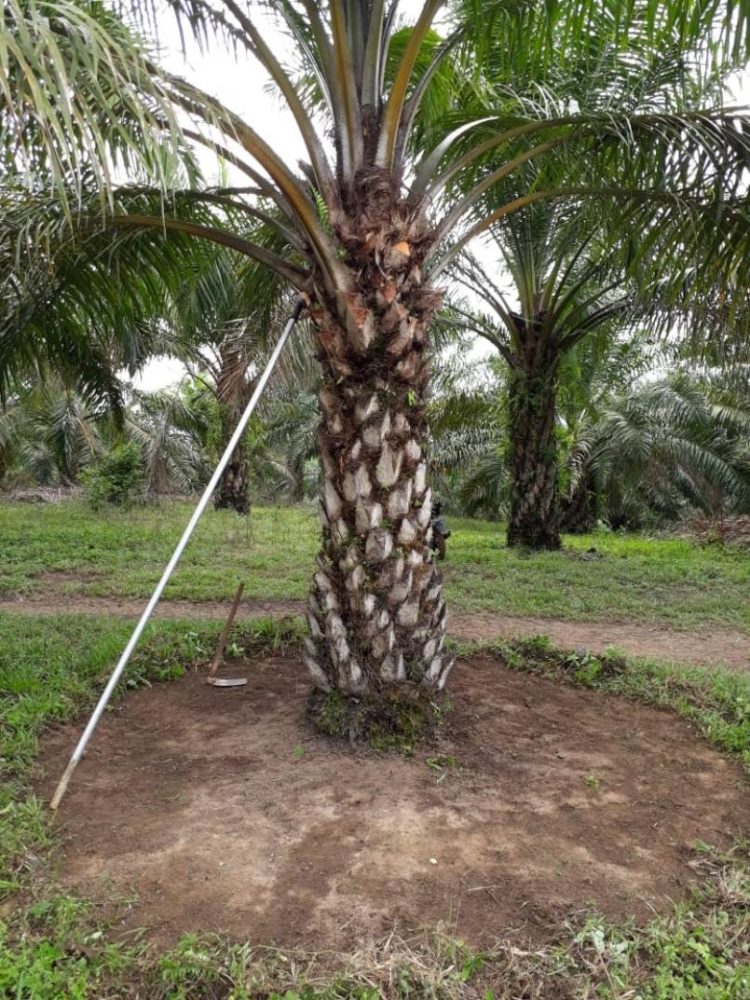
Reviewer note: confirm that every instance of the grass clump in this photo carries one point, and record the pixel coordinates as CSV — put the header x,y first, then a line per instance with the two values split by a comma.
x,y
398,722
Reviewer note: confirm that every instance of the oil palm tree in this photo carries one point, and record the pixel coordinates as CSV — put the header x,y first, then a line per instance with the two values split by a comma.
x,y
50,433
610,363
369,224
642,435
168,433
225,341
560,287
664,448
554,274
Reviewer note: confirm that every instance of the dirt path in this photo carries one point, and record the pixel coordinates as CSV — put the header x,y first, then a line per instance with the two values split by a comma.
x,y
222,810
732,648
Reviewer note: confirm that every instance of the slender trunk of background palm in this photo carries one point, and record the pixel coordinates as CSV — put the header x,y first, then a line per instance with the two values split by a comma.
x,y
578,513
233,491
232,392
534,520
376,608
297,485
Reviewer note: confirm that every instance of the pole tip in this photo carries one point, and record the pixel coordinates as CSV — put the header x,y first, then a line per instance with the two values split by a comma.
x,y
62,785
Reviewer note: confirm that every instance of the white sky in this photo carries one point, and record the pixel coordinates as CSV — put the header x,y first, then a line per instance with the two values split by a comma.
x,y
242,86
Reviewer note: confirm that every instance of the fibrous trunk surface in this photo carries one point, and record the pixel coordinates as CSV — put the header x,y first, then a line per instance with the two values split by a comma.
x,y
376,608
232,493
534,506
578,515
232,391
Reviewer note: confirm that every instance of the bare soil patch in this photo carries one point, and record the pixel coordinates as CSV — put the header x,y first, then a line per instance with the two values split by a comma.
x,y
222,811
52,601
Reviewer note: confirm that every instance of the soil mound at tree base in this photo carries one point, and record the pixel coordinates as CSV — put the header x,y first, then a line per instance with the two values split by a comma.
x,y
222,811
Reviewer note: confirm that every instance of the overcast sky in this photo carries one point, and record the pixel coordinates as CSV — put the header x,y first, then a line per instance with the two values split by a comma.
x,y
243,86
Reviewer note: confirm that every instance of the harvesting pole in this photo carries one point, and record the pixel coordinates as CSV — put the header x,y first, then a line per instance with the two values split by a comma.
x,y
155,597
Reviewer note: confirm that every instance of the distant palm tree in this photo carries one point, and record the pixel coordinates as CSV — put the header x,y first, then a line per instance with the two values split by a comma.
x,y
168,434
554,275
638,441
225,341
50,433
663,448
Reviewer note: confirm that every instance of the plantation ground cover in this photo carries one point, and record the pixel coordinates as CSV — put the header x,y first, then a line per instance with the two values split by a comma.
x,y
85,937
598,577
55,943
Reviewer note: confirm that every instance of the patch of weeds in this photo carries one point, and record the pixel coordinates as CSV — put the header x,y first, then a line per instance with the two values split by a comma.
x,y
298,752
593,783
25,836
700,951
398,722
55,949
442,764
267,635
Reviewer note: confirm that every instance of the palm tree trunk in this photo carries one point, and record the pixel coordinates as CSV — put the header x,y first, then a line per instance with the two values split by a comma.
x,y
534,520
376,610
578,514
233,491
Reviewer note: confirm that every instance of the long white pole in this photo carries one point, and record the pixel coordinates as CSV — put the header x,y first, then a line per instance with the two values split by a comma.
x,y
133,641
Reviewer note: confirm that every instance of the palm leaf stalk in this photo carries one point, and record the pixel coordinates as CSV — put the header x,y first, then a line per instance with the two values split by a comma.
x,y
375,222
85,298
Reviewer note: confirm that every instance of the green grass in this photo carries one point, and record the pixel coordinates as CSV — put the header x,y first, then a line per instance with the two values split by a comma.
x,y
701,951
125,551
54,946
630,577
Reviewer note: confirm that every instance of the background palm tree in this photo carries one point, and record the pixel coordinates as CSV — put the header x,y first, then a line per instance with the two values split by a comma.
x,y
50,433
666,448
225,341
167,431
553,275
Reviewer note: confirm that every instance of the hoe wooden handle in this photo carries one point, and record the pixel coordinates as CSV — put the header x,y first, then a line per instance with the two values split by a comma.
x,y
219,654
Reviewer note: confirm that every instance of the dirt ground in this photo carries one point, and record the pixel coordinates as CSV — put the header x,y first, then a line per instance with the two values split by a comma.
x,y
219,809
725,646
